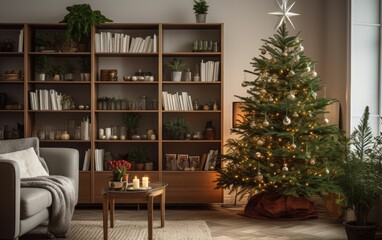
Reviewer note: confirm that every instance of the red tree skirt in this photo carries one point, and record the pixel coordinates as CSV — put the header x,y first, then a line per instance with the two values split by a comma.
x,y
271,206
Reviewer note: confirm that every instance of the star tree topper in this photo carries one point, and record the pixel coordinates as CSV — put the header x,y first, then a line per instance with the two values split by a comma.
x,y
284,12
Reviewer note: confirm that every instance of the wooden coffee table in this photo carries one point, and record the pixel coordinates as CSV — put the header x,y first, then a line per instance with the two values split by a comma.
x,y
147,195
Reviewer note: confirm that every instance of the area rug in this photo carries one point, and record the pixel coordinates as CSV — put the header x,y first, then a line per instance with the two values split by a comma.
x,y
137,230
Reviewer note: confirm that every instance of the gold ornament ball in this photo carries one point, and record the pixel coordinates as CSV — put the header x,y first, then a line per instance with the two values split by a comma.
x,y
259,177
312,162
265,123
260,142
285,54
291,97
293,146
285,168
263,51
326,121
263,91
252,124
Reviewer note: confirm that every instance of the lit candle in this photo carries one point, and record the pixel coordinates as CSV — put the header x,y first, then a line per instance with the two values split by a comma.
x,y
145,182
135,183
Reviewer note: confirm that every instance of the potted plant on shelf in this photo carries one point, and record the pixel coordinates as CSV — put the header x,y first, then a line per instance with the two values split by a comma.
x,y
139,157
43,67
360,179
85,67
42,43
57,72
131,121
176,66
80,20
201,10
176,128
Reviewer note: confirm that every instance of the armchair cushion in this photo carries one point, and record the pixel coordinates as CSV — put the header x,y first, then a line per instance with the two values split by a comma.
x,y
28,161
33,200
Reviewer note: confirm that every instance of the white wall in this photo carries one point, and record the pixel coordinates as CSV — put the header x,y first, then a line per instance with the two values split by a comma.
x,y
246,23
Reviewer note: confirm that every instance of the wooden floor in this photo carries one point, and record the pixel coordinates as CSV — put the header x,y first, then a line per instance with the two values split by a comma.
x,y
226,224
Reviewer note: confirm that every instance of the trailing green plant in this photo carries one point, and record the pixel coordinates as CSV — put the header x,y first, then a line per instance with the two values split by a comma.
x,y
137,155
80,20
200,7
176,128
43,64
131,120
360,179
175,65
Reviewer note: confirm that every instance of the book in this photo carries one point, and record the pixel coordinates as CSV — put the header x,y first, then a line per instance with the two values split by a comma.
x,y
210,157
203,161
21,41
86,165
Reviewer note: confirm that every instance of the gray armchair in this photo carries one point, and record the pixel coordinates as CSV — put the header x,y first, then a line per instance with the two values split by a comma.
x,y
22,209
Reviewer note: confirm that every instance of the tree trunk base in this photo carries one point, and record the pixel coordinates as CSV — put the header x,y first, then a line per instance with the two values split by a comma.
x,y
272,206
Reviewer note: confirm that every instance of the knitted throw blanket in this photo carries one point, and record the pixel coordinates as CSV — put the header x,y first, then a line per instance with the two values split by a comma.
x,y
63,201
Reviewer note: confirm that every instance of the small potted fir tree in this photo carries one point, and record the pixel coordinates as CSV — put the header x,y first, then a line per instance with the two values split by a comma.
x,y
360,179
201,10
176,66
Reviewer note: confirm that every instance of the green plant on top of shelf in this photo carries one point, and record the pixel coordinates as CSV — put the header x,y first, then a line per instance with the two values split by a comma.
x,y
80,20
200,7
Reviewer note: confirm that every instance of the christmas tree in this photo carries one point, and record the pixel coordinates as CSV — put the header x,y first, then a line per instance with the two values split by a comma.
x,y
285,145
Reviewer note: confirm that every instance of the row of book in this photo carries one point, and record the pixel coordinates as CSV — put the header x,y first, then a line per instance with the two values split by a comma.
x,y
99,158
209,71
44,99
123,43
177,102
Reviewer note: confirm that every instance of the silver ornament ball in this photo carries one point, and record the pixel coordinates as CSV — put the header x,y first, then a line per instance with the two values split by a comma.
x,y
260,142
252,124
265,123
314,74
293,146
286,121
263,91
285,168
327,171
258,154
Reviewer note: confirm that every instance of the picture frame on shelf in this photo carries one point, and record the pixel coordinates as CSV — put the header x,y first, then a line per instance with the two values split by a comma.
x,y
170,161
194,162
182,162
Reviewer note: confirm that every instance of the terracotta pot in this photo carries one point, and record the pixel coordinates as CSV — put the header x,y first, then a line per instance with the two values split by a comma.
x,y
139,166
